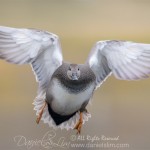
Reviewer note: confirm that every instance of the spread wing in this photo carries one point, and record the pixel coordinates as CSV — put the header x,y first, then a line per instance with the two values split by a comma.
x,y
30,46
126,60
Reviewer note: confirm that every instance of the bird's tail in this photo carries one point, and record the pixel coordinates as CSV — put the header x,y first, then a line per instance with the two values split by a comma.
x,y
47,118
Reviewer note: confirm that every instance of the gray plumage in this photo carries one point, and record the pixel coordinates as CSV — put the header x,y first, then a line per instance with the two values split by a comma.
x,y
75,86
68,87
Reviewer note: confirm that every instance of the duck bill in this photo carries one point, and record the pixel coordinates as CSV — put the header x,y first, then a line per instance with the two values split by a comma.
x,y
74,77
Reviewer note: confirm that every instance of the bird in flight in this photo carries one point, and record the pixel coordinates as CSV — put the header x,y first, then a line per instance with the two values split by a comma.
x,y
65,89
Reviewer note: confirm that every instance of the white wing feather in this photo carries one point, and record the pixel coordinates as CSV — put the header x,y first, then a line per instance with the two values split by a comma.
x,y
126,60
39,48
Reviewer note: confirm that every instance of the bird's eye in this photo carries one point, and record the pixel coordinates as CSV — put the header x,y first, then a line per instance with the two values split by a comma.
x,y
69,68
78,69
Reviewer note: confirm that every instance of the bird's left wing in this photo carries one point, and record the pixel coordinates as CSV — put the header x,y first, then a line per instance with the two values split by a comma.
x,y
30,46
126,60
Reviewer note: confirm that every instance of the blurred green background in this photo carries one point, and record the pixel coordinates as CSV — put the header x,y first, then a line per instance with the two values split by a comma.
x,y
119,108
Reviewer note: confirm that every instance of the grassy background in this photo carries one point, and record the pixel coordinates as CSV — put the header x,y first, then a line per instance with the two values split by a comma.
x,y
119,108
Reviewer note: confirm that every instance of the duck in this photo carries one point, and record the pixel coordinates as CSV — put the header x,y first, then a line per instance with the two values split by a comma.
x,y
65,89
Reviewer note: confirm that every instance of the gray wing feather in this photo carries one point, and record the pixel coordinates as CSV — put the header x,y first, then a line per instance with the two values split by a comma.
x,y
30,46
126,60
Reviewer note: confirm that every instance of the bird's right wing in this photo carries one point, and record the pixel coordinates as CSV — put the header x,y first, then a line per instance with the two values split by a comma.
x,y
30,46
126,60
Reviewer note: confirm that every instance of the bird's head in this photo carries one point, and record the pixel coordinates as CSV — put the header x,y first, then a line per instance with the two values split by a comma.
x,y
73,72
